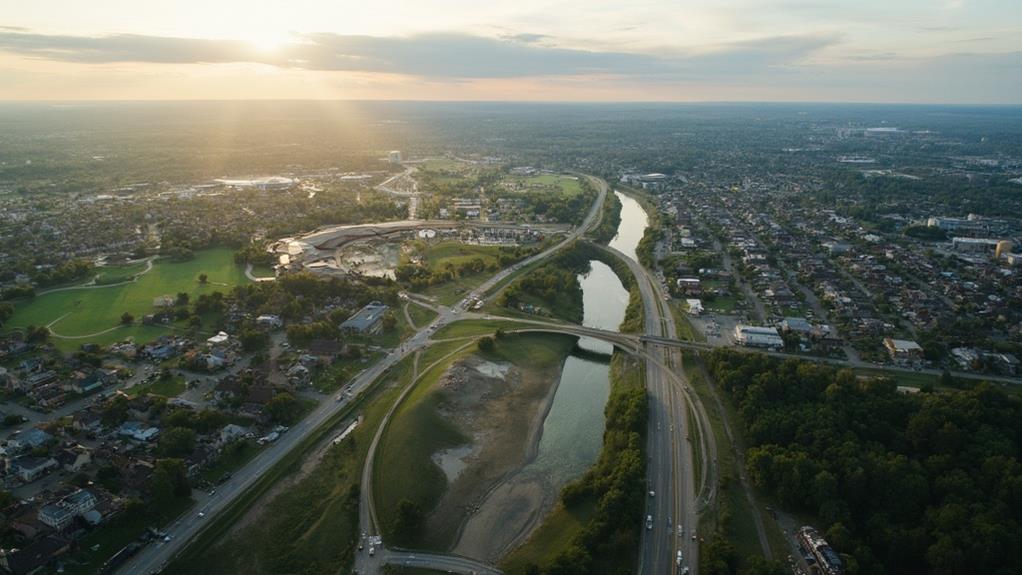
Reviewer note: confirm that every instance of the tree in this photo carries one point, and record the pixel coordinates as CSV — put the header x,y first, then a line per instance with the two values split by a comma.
x,y
182,299
253,339
407,523
6,311
169,480
35,334
486,344
115,411
283,408
177,442
203,278
127,318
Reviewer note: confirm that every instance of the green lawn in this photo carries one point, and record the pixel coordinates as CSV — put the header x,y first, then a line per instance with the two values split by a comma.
x,y
454,252
82,315
568,185
420,315
115,274
415,432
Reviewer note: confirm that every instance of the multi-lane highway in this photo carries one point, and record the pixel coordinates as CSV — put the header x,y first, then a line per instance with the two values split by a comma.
x,y
672,507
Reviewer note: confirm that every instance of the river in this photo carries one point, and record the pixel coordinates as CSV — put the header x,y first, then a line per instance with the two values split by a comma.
x,y
572,434
634,222
573,429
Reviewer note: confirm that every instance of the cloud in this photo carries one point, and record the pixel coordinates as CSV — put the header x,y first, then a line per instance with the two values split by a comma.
x,y
435,56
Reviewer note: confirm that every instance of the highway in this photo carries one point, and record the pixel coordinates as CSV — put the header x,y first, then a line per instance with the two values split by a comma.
x,y
672,510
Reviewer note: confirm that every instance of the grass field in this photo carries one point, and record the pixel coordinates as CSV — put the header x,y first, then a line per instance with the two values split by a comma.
x,y
568,185
114,274
415,432
82,315
420,315
456,253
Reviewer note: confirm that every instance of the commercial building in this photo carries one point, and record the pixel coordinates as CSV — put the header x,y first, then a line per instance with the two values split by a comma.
x,y
903,349
971,225
368,320
755,336
975,246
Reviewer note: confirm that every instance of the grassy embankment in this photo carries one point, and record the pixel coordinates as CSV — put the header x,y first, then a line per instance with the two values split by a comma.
x,y
93,314
309,524
421,316
597,525
417,431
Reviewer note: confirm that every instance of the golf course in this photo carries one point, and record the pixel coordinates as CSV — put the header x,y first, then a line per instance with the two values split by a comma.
x,y
91,313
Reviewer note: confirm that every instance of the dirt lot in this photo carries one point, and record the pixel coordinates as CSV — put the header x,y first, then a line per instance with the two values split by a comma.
x,y
502,407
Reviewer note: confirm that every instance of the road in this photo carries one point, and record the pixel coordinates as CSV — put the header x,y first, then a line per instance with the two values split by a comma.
x,y
672,510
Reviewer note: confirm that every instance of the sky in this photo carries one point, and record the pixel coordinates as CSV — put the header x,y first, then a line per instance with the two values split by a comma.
x,y
912,51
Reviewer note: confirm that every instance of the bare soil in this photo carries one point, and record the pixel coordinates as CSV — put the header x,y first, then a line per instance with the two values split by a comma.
x,y
502,408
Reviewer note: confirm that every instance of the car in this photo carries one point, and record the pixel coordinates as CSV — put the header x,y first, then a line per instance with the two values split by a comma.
x,y
372,550
679,559
649,522
361,545
202,514
681,530
693,536
167,538
652,493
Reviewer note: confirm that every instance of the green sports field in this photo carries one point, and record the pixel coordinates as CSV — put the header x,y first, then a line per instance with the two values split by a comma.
x,y
92,314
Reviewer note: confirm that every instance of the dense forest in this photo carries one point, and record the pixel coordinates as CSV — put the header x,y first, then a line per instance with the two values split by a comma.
x,y
899,483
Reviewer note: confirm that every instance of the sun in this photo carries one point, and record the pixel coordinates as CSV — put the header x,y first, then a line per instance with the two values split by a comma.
x,y
266,40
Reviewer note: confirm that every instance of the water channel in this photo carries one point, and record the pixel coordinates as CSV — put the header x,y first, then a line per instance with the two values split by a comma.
x,y
573,429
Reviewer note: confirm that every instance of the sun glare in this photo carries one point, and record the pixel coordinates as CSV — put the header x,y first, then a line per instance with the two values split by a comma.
x,y
268,42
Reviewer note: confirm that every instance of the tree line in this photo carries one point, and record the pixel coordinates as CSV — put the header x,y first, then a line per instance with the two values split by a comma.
x,y
898,483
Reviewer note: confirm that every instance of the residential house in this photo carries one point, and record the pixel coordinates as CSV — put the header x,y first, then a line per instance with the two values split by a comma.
x,y
29,468
56,516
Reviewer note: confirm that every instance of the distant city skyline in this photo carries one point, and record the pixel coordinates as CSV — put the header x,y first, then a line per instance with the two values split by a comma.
x,y
911,51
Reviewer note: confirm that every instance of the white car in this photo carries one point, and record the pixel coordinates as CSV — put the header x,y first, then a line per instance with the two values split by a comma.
x,y
649,522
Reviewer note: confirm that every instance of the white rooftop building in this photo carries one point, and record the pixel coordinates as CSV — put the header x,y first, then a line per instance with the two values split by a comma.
x,y
756,336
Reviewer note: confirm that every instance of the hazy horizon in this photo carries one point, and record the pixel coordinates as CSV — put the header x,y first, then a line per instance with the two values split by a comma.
x,y
917,51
